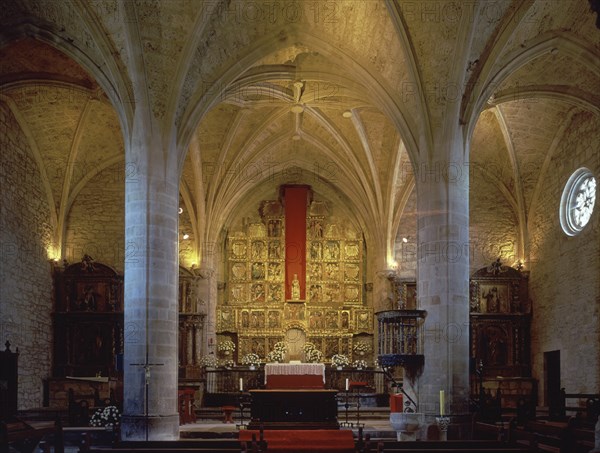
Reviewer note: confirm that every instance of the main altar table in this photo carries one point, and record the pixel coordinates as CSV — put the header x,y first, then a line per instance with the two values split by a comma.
x,y
294,409
295,375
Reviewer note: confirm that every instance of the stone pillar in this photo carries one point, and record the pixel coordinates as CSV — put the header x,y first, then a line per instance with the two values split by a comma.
x,y
198,341
443,280
150,290
209,308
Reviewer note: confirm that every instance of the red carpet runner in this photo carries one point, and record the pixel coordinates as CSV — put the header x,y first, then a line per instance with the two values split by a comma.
x,y
304,441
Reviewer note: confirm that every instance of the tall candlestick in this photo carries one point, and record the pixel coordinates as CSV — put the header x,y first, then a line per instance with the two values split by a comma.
x,y
441,402
347,385
241,384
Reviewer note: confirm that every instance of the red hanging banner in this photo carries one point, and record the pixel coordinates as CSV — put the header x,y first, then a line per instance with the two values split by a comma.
x,y
296,199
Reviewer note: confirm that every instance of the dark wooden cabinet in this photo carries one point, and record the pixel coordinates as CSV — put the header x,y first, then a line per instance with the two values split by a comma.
x,y
88,319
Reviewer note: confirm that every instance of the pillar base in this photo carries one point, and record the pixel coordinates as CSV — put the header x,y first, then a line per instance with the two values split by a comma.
x,y
133,427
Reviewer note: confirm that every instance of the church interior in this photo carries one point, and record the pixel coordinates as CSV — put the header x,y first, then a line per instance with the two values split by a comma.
x,y
208,206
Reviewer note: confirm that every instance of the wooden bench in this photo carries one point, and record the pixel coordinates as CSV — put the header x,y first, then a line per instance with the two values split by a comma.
x,y
22,435
450,446
196,445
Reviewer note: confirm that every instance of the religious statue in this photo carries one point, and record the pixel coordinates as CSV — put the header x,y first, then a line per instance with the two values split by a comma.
x,y
295,288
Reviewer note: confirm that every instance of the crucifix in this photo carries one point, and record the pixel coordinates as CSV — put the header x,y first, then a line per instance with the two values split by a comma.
x,y
146,366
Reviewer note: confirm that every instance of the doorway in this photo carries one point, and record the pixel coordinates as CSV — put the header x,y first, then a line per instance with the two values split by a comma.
x,y
552,396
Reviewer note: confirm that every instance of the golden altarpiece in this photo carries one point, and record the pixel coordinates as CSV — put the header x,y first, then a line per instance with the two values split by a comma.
x,y
253,310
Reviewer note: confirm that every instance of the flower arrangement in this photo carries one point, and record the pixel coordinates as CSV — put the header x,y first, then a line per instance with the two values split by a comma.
x,y
107,417
251,359
311,353
360,364
314,356
226,346
339,360
361,348
278,352
228,363
209,361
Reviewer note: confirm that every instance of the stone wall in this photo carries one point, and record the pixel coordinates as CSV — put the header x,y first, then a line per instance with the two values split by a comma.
x,y
565,276
493,229
25,271
96,222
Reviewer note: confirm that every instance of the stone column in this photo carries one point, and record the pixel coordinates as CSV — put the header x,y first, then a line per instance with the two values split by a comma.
x,y
443,280
150,290
198,341
209,308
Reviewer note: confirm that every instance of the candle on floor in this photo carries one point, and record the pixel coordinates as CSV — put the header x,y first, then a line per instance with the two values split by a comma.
x,y
441,402
241,385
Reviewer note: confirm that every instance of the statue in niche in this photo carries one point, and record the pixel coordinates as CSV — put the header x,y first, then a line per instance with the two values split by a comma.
x,y
331,271
315,293
274,271
345,320
258,293
332,250
245,320
88,302
274,228
273,320
258,347
257,249
295,288
258,271
315,251
331,320
315,271
87,263
491,300
274,293
316,229
274,250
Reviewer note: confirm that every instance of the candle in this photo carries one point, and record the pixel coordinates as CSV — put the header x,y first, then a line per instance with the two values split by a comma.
x,y
347,385
241,385
441,403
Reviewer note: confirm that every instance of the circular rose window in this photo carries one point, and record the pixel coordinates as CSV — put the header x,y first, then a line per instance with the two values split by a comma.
x,y
577,202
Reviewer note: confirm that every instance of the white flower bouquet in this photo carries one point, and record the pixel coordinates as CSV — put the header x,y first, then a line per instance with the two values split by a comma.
x,y
228,363
360,364
361,348
209,361
314,356
278,352
251,359
226,346
108,417
339,360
